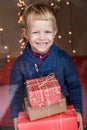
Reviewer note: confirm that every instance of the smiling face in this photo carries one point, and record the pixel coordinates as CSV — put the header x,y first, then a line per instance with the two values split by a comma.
x,y
40,34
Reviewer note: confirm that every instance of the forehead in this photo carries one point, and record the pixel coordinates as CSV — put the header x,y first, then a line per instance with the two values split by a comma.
x,y
41,24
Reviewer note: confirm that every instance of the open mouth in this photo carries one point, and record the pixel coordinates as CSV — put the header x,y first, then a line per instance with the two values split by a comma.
x,y
42,43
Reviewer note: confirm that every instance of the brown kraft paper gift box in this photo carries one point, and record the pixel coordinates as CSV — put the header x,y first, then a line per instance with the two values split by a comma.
x,y
38,113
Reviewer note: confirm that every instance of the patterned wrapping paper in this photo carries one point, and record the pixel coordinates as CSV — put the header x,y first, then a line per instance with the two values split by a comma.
x,y
43,91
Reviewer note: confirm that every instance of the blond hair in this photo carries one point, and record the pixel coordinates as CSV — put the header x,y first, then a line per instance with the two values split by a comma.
x,y
38,12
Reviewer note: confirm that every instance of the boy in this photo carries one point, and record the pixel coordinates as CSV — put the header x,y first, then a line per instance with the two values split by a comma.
x,y
42,57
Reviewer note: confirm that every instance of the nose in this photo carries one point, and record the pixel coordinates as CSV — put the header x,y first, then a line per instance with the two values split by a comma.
x,y
42,35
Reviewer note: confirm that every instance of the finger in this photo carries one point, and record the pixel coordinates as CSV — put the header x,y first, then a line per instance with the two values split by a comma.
x,y
80,125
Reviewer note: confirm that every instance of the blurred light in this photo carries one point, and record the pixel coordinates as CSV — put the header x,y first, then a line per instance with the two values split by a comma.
x,y
18,13
21,18
23,43
1,29
52,4
70,33
22,47
74,51
19,21
8,60
21,40
59,0
21,52
19,5
69,41
5,47
59,37
67,3
8,56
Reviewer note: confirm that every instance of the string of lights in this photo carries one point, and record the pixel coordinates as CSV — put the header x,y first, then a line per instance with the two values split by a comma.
x,y
4,50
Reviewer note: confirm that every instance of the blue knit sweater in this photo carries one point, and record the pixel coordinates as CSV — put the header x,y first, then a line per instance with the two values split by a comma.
x,y
58,62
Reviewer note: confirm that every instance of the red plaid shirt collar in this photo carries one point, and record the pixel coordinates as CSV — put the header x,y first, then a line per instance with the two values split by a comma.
x,y
39,56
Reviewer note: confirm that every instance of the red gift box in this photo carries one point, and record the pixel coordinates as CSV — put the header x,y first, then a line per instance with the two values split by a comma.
x,y
63,121
43,91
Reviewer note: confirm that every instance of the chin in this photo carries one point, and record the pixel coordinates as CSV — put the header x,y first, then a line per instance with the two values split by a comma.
x,y
43,52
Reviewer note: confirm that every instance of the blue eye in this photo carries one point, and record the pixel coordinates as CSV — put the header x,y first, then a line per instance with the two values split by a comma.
x,y
35,32
48,32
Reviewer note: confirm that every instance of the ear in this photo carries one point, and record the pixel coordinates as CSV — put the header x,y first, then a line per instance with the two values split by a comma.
x,y
55,32
24,31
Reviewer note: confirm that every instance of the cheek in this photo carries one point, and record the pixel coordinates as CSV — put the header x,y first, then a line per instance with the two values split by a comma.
x,y
30,38
51,37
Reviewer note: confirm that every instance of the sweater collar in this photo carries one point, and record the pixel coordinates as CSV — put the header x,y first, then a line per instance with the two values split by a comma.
x,y
41,57
54,50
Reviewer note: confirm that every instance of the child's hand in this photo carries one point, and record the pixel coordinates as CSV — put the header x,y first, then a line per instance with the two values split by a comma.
x,y
15,123
79,119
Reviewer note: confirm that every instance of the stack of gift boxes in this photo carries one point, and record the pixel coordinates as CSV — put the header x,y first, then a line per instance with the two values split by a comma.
x,y
46,107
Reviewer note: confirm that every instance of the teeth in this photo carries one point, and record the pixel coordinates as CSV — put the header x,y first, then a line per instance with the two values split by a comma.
x,y
42,43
